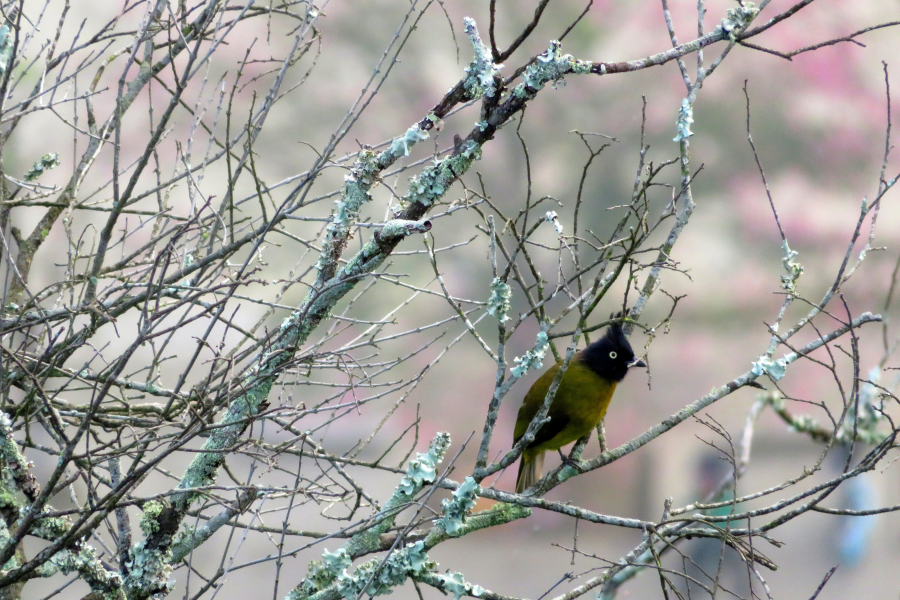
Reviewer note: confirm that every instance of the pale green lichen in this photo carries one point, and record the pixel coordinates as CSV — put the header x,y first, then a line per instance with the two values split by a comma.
x,y
498,303
552,217
88,564
568,471
736,19
434,181
481,71
81,558
49,528
455,510
775,369
865,430
297,594
534,358
793,270
6,539
499,514
317,305
150,518
6,432
6,47
184,541
13,469
378,577
336,561
203,469
402,227
869,411
552,66
357,183
47,162
322,574
14,480
804,424
685,118
472,150
423,468
404,143
334,568
459,587
148,570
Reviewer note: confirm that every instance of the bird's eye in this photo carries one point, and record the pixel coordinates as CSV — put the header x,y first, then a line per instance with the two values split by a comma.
x,y
613,354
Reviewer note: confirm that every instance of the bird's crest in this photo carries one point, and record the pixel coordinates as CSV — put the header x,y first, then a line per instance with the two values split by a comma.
x,y
615,333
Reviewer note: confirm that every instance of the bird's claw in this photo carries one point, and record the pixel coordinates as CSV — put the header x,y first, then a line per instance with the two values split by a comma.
x,y
570,462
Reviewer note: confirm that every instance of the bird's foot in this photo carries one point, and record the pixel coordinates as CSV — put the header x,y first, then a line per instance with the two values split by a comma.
x,y
571,462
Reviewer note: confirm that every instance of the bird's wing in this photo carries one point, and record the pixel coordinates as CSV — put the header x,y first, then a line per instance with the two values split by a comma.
x,y
557,424
534,399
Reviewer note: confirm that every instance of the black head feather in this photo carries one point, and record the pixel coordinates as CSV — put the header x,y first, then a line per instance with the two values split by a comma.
x,y
611,356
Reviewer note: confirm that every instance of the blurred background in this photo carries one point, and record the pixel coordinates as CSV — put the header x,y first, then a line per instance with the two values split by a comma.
x,y
818,122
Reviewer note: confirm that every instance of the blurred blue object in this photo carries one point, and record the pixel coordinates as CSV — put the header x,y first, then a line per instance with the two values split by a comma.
x,y
854,533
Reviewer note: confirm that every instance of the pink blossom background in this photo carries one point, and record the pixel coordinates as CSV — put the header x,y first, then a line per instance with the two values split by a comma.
x,y
818,123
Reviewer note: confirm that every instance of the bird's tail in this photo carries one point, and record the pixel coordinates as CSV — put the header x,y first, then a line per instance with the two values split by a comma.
x,y
530,469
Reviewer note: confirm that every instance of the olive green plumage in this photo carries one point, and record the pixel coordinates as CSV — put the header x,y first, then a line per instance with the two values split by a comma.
x,y
580,401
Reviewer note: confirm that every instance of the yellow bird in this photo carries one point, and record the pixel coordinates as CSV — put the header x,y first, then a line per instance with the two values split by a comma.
x,y
580,402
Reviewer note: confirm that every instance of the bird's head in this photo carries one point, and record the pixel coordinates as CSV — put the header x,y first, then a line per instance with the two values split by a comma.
x,y
611,356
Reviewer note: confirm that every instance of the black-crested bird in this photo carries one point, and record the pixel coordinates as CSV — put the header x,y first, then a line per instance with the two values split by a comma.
x,y
580,401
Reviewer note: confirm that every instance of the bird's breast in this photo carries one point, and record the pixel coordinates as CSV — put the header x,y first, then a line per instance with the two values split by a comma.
x,y
591,399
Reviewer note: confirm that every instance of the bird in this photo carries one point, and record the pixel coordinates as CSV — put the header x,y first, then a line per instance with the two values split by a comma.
x,y
580,401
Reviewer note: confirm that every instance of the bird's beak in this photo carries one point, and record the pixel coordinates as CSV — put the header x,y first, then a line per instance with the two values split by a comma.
x,y
637,363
